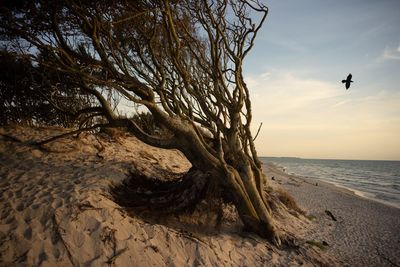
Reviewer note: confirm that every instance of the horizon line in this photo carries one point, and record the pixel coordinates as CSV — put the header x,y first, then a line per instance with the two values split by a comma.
x,y
295,157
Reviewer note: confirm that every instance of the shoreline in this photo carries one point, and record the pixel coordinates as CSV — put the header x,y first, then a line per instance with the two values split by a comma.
x,y
55,209
357,192
365,232
361,194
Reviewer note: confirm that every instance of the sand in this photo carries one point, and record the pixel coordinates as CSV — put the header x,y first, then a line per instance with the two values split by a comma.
x,y
56,210
365,233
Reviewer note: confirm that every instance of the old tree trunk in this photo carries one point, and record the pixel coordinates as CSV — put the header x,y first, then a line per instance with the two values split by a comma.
x,y
232,168
182,61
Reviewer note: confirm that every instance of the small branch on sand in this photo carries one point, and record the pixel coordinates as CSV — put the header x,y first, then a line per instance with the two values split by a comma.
x,y
108,238
43,142
81,207
54,138
183,233
11,138
115,255
191,236
21,258
330,215
386,258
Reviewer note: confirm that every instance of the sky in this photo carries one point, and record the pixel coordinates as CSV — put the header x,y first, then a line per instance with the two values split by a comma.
x,y
294,73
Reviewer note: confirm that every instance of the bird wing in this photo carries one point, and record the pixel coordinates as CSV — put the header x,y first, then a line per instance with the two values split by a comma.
x,y
349,77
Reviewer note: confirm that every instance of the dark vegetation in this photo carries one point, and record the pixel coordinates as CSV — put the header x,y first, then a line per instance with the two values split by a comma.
x,y
180,62
288,201
35,95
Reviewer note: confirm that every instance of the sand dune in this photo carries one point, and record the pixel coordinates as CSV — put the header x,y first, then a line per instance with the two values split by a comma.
x,y
56,210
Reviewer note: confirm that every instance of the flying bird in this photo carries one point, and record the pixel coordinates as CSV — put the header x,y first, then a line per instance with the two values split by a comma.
x,y
348,81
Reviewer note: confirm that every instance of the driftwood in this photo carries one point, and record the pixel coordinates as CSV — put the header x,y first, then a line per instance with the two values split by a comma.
x,y
330,215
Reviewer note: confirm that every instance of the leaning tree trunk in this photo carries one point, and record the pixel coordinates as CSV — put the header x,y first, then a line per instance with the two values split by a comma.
x,y
185,66
245,182
240,175
250,201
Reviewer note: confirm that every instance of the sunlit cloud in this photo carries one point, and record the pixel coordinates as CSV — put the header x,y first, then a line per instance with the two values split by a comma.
x,y
282,93
391,53
340,103
313,118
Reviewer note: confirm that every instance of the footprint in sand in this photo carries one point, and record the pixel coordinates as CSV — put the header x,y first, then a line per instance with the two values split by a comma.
x,y
5,213
28,233
91,225
47,199
57,190
45,218
20,207
56,253
18,194
35,206
57,203
10,194
55,237
10,219
5,184
42,181
68,200
42,257
29,200
28,189
43,193
28,217
69,187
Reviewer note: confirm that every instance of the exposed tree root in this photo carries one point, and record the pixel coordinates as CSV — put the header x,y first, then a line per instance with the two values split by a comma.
x,y
64,135
179,193
39,144
11,138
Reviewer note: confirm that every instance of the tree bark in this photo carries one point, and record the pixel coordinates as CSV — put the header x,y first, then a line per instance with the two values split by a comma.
x,y
185,66
244,181
251,205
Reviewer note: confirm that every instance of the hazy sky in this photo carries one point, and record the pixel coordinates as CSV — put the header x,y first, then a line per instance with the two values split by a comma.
x,y
295,70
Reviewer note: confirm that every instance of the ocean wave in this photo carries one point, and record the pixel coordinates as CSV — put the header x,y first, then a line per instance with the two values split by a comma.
x,y
377,180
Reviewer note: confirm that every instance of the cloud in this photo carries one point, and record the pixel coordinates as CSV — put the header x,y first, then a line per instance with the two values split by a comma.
x,y
308,117
281,93
340,103
391,53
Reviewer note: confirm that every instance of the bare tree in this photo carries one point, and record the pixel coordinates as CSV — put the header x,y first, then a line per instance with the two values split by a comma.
x,y
182,60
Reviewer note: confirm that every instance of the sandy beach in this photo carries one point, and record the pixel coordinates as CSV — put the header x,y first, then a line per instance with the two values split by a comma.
x,y
56,210
151,133
365,233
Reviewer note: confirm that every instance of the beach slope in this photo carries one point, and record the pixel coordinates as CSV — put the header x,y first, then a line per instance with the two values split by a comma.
x,y
357,231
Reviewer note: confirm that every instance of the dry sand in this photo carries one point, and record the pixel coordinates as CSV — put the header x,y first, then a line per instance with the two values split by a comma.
x,y
55,210
365,233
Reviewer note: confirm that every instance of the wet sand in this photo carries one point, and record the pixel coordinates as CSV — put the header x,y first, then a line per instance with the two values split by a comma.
x,y
365,233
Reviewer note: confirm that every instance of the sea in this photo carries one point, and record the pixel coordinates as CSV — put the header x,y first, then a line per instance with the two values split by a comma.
x,y
374,179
